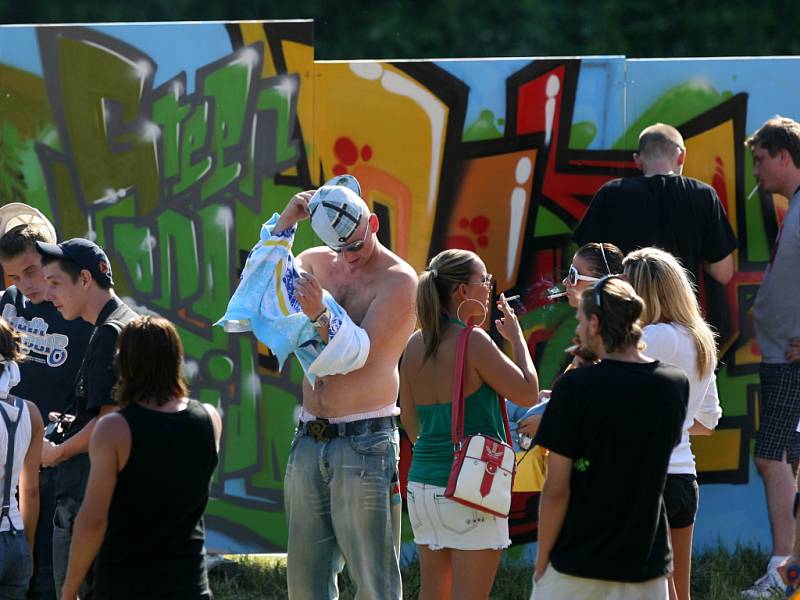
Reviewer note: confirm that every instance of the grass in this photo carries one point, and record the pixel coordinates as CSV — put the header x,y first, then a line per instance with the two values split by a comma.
x,y
716,575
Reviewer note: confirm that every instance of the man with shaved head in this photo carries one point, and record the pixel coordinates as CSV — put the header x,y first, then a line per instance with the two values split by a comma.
x,y
662,208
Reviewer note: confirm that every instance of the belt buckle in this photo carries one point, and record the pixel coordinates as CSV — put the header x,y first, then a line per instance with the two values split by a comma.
x,y
317,429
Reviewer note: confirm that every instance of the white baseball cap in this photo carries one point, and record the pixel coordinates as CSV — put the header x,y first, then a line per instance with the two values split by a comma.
x,y
336,210
15,214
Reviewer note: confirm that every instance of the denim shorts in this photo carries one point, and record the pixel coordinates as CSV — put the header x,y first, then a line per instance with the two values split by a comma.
x,y
16,566
681,497
439,522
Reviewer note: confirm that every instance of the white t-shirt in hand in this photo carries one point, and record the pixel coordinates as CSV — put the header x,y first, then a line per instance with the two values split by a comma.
x,y
671,343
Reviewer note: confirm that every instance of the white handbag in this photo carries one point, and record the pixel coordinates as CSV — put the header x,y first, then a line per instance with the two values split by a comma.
x,y
483,468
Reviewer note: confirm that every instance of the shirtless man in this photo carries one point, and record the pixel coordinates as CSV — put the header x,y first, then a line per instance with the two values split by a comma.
x,y
341,486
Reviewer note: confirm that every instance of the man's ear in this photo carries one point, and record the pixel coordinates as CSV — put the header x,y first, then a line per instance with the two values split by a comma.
x,y
85,276
681,157
594,324
637,159
374,223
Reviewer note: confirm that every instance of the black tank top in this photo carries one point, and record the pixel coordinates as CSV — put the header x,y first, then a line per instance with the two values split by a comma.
x,y
154,544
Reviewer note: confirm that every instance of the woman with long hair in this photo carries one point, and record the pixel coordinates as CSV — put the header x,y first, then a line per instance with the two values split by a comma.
x,y
21,431
675,332
591,262
459,547
148,486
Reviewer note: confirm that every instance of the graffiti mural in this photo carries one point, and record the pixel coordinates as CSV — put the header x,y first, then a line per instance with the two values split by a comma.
x,y
169,144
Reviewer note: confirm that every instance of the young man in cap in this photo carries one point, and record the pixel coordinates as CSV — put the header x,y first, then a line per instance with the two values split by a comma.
x,y
610,428
79,284
341,490
54,349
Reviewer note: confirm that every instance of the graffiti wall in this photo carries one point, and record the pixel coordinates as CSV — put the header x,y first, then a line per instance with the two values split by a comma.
x,y
169,144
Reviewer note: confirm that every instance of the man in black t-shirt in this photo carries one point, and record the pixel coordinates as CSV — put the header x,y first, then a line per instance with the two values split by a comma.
x,y
610,428
662,208
54,349
79,284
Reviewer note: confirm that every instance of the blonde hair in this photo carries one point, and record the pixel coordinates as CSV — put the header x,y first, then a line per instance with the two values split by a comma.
x,y
445,271
669,297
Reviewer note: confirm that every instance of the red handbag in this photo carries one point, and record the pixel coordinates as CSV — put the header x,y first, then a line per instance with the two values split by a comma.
x,y
483,468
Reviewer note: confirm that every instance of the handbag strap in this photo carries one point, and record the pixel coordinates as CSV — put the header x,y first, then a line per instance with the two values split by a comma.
x,y
457,403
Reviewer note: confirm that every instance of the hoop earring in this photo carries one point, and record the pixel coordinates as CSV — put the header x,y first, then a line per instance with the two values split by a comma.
x,y
471,300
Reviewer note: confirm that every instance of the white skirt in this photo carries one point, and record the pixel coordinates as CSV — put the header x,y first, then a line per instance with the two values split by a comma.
x,y
439,523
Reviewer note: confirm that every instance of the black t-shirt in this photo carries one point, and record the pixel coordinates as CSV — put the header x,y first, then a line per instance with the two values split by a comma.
x,y
54,349
98,372
618,422
95,383
678,214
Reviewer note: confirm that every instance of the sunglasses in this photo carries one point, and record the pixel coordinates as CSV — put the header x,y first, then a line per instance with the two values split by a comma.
x,y
486,281
354,246
573,277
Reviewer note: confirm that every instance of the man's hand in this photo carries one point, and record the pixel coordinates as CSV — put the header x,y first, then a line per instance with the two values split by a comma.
x,y
295,211
792,352
52,454
308,292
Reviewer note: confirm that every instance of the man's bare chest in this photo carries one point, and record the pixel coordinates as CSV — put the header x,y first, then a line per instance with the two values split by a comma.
x,y
354,296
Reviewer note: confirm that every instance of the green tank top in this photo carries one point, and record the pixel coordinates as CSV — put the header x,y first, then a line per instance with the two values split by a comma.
x,y
433,452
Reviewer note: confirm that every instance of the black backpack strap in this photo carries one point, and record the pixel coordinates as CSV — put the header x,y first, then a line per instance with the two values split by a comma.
x,y
11,428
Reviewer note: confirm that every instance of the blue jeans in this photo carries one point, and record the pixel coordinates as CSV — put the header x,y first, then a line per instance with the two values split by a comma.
x,y
343,505
16,566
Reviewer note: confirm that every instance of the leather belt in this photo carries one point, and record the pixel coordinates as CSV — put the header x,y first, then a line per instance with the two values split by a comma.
x,y
322,430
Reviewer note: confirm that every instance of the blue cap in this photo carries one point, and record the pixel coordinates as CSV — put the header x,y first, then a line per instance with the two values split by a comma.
x,y
84,253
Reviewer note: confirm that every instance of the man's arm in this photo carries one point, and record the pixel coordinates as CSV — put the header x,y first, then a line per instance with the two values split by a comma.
x,y
111,436
552,508
722,270
54,454
408,410
390,319
29,477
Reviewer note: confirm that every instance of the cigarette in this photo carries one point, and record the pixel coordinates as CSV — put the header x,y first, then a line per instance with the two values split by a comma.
x,y
558,295
514,297
753,191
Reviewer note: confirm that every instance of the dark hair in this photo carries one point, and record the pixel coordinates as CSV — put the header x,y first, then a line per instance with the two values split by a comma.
x,y
776,134
600,265
445,271
20,239
73,269
149,362
619,310
10,344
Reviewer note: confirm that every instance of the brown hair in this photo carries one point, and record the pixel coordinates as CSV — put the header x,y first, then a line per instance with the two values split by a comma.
x,y
660,141
619,310
20,239
10,344
445,271
776,134
149,362
603,258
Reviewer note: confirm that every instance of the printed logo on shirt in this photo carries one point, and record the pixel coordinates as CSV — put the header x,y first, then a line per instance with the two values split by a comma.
x,y
36,339
581,465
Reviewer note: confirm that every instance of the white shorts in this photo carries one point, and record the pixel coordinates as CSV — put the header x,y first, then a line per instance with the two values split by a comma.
x,y
553,585
439,523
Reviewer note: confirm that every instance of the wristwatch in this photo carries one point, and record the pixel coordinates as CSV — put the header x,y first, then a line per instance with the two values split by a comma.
x,y
323,319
